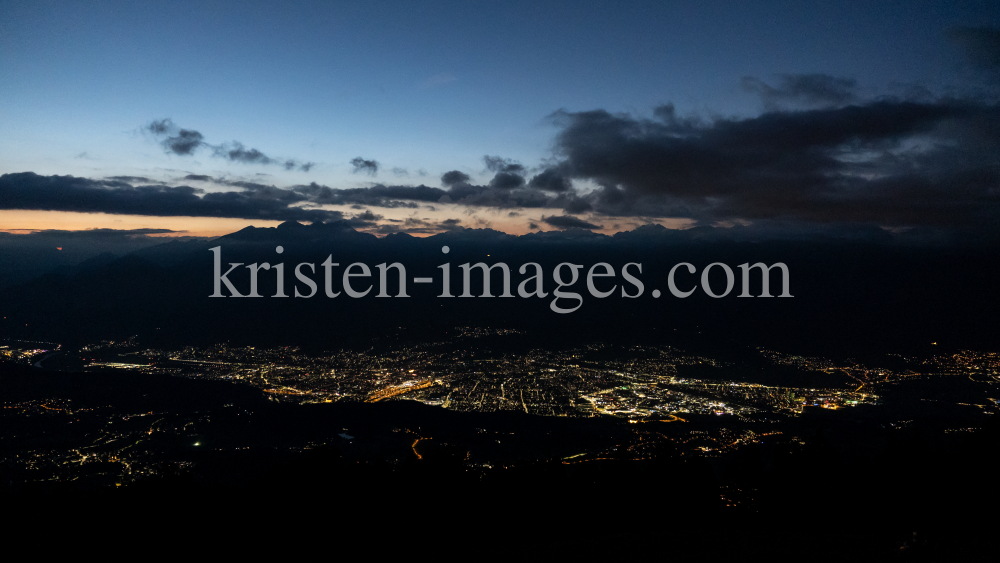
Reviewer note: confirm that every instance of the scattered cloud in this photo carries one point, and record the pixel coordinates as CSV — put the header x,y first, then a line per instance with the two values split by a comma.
x,y
185,142
368,216
499,164
176,140
369,167
237,152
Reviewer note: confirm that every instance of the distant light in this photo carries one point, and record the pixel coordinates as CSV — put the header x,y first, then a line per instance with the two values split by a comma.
x,y
197,443
58,248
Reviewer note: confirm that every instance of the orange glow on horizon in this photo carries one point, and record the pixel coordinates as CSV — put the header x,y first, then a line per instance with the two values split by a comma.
x,y
27,221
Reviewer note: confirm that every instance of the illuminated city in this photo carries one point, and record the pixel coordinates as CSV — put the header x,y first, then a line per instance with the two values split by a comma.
x,y
650,388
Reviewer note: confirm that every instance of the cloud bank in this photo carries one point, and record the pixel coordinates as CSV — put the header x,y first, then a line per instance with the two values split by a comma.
x,y
27,190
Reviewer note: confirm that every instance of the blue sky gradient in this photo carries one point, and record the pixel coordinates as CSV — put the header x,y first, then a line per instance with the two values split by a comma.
x,y
425,87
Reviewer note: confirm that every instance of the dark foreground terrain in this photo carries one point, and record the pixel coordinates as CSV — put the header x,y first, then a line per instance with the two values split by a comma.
x,y
101,457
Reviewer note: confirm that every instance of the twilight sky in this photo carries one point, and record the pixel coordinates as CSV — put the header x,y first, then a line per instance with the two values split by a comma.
x,y
785,117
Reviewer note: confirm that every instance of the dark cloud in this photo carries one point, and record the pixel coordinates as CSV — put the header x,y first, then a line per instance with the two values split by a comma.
x,y
175,140
806,89
368,216
378,195
238,153
981,45
507,181
533,226
498,164
550,179
369,167
401,196
493,196
27,190
161,126
255,200
253,189
131,179
186,141
886,162
397,171
571,203
93,234
263,191
569,222
454,177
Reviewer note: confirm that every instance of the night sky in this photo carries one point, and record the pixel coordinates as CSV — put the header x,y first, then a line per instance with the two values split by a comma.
x,y
778,119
